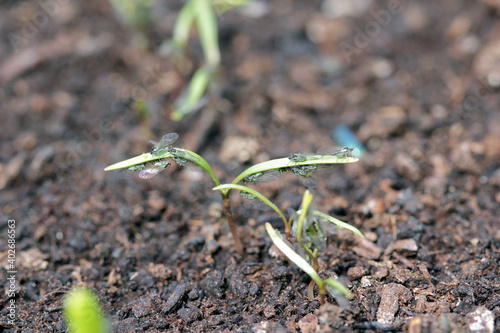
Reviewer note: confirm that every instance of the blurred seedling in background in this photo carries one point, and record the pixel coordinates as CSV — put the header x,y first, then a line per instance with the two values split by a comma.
x,y
83,312
136,14
199,14
202,15
150,164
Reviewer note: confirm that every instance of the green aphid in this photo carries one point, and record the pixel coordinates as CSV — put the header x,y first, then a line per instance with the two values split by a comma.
x,y
298,157
137,167
304,170
325,151
266,176
247,195
162,164
165,143
180,160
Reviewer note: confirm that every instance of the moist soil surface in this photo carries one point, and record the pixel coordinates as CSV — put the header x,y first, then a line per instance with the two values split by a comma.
x,y
415,81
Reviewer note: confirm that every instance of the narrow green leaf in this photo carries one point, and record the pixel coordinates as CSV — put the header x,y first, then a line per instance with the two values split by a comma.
x,y
340,224
148,157
83,312
293,256
254,193
144,158
188,102
306,202
285,162
207,28
222,6
183,24
197,159
340,287
134,13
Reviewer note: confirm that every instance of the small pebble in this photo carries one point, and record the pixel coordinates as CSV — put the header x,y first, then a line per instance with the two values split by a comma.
x,y
269,311
238,148
367,249
143,306
389,303
175,300
308,323
355,273
339,8
481,320
486,63
408,245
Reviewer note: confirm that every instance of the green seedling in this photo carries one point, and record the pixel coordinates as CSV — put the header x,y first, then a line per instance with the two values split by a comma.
x,y
163,153
137,15
84,313
202,15
222,6
309,228
199,14
306,267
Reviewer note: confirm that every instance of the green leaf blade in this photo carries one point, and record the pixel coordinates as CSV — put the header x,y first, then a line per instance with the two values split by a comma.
x,y
207,28
183,24
255,193
285,162
306,202
340,287
293,256
143,158
340,224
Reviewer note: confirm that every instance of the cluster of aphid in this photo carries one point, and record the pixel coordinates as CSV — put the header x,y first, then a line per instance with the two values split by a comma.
x,y
304,172
314,231
149,170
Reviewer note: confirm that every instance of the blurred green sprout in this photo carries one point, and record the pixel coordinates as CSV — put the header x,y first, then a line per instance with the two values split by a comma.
x,y
199,14
134,13
84,313
202,15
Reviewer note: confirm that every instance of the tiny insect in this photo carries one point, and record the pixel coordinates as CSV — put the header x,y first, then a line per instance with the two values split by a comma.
x,y
150,172
306,175
334,151
247,195
137,167
165,143
298,157
180,160
317,236
262,177
254,202
184,161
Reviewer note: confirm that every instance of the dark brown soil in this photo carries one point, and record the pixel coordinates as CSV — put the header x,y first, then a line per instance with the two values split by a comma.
x,y
417,86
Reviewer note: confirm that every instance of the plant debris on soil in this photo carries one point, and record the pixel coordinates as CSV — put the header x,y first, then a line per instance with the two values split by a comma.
x,y
417,82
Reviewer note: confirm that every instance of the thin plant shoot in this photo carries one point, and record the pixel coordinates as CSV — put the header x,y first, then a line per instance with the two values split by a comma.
x,y
163,154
